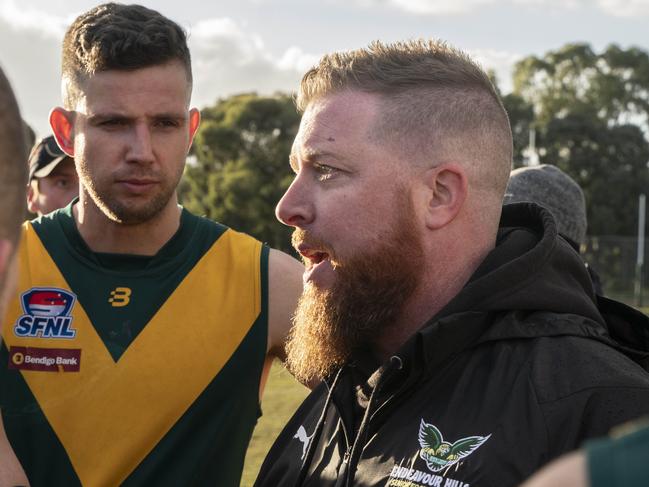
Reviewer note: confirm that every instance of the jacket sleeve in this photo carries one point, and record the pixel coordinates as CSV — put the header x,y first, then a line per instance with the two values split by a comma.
x,y
590,389
591,414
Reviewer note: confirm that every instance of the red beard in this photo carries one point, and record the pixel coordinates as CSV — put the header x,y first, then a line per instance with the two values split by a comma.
x,y
366,299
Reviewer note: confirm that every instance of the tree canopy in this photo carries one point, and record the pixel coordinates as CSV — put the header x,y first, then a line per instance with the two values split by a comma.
x,y
240,168
590,112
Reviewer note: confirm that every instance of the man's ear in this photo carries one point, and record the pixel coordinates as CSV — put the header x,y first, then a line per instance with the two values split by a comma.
x,y
32,199
194,122
446,191
62,123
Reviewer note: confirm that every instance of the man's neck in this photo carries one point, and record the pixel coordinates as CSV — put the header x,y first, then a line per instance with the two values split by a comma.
x,y
419,308
437,288
104,235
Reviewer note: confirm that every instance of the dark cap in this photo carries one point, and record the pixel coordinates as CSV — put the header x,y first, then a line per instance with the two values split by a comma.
x,y
44,157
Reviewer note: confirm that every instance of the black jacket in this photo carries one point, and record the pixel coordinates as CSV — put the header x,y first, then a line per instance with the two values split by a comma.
x,y
520,367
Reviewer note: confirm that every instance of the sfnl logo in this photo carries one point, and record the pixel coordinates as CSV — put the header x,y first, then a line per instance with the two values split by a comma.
x,y
47,314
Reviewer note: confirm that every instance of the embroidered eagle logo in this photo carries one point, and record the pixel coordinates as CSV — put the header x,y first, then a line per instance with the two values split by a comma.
x,y
439,454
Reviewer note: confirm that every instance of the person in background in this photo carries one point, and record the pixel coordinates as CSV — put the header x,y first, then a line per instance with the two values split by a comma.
x,y
13,178
551,188
53,180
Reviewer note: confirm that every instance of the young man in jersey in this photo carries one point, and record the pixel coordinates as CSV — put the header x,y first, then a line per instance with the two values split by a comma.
x,y
460,343
140,333
13,175
53,180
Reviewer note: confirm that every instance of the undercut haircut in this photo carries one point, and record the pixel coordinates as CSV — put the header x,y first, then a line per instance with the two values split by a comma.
x,y
437,105
113,36
13,165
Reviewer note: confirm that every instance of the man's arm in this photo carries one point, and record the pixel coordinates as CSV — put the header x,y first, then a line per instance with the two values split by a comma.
x,y
568,471
11,472
284,289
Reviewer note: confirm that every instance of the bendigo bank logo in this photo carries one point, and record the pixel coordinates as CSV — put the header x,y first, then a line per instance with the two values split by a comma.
x,y
47,314
45,359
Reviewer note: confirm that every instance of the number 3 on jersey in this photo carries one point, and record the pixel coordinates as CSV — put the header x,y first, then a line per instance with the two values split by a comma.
x,y
120,297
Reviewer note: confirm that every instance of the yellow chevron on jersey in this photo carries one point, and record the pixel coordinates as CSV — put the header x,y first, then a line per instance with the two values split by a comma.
x,y
107,401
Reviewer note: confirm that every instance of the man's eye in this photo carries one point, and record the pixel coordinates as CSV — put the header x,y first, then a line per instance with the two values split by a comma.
x,y
164,123
62,183
113,122
324,172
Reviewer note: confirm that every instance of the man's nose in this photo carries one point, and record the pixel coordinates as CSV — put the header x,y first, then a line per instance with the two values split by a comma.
x,y
141,146
296,208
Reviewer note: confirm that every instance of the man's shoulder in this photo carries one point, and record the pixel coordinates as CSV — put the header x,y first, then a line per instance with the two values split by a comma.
x,y
212,227
619,460
44,228
46,221
561,366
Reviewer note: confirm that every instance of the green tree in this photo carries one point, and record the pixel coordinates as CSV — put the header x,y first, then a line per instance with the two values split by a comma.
x,y
590,112
608,162
521,116
612,85
240,168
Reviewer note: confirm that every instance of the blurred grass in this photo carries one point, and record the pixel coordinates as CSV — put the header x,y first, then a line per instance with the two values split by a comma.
x,y
282,397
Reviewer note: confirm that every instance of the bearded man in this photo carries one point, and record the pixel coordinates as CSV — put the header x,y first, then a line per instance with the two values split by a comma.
x,y
457,343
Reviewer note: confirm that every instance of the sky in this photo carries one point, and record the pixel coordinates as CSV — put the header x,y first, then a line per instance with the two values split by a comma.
x,y
265,45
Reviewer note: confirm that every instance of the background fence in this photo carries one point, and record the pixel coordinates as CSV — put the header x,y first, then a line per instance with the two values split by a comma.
x,y
614,259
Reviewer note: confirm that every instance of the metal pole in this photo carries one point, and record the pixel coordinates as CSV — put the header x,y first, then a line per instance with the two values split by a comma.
x,y
532,155
642,204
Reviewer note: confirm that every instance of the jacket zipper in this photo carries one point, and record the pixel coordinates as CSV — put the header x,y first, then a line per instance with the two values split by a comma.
x,y
361,435
342,472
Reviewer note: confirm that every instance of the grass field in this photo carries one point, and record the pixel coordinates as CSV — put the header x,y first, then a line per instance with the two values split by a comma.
x,y
282,397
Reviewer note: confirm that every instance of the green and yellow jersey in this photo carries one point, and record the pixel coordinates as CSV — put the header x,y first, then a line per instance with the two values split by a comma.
x,y
130,370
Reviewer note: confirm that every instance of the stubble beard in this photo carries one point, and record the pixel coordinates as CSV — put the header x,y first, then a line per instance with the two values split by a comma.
x,y
367,297
120,211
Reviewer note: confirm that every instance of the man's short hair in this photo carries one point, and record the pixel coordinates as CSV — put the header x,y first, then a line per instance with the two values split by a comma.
x,y
121,37
438,104
13,164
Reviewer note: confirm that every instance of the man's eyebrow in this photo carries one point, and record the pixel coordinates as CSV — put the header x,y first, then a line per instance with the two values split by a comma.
x,y
99,116
94,117
311,155
170,115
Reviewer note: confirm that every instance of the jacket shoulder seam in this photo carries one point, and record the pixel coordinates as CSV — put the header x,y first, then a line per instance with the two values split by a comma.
x,y
594,388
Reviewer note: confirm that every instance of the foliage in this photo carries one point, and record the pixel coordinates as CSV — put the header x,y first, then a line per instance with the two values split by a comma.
x,y
611,86
521,117
241,164
590,112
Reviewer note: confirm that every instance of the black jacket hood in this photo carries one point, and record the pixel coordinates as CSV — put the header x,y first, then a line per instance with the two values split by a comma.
x,y
531,268
532,271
